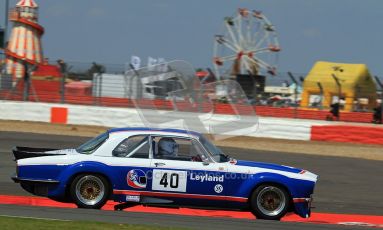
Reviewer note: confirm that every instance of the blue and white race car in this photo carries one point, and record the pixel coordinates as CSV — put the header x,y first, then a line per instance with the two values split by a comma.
x,y
162,167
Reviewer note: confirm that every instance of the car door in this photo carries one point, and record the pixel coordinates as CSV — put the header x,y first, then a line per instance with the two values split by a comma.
x,y
131,163
185,177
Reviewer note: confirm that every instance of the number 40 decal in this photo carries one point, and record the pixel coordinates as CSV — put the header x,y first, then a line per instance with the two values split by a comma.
x,y
174,177
169,180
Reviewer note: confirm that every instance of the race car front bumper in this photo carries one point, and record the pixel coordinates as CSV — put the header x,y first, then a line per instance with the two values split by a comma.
x,y
303,206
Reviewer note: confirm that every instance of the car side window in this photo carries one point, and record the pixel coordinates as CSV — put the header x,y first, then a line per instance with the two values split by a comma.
x,y
133,147
172,148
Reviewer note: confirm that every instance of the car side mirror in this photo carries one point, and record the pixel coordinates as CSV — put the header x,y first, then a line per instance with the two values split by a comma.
x,y
205,163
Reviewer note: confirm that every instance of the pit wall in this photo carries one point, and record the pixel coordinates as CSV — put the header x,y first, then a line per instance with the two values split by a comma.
x,y
281,128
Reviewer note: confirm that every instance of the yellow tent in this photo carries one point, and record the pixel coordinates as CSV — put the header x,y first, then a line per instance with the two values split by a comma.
x,y
355,79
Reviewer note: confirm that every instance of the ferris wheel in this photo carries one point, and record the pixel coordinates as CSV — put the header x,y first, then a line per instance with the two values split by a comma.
x,y
249,45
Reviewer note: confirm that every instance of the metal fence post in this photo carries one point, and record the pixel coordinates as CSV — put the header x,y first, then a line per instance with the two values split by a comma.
x,y
339,91
200,100
3,46
5,24
26,82
339,86
381,97
321,95
100,90
356,98
64,73
295,92
95,86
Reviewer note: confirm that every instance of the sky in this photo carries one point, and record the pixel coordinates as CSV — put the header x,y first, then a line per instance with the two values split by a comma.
x,y
112,31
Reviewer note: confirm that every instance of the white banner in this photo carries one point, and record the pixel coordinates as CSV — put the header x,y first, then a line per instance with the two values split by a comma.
x,y
162,65
151,63
136,62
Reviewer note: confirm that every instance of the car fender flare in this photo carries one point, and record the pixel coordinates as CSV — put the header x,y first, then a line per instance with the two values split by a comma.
x,y
261,178
87,167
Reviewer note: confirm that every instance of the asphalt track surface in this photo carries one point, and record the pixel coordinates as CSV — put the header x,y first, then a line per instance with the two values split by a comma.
x,y
345,186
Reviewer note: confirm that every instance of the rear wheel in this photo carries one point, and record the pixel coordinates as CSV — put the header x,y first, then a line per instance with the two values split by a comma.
x,y
270,202
90,191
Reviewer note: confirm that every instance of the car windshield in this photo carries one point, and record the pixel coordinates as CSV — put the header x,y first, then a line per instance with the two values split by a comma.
x,y
215,152
93,144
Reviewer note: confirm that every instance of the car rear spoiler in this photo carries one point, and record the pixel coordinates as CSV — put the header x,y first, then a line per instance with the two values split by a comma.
x,y
28,152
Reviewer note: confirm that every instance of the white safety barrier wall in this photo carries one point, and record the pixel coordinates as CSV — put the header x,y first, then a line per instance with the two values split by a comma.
x,y
129,117
281,128
25,111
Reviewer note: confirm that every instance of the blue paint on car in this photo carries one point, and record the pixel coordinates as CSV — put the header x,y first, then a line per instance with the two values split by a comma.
x,y
268,166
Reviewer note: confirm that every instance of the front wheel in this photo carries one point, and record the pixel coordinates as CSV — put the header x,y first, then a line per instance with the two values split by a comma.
x,y
89,191
270,202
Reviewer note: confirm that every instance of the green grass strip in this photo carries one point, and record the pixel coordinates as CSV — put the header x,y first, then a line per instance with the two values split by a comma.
x,y
26,223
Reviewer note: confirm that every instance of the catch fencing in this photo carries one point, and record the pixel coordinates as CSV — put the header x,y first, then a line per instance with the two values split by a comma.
x,y
165,87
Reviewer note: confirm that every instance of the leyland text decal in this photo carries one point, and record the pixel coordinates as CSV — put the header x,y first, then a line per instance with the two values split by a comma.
x,y
136,178
206,177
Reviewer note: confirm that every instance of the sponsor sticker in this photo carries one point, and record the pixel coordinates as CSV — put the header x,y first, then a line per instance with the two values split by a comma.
x,y
136,178
133,198
218,188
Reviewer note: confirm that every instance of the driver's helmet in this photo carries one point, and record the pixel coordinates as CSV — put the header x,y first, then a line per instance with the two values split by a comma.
x,y
167,147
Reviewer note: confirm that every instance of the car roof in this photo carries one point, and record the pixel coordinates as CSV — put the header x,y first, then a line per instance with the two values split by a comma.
x,y
154,130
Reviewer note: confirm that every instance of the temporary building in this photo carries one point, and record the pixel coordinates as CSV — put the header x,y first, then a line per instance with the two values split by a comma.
x,y
355,82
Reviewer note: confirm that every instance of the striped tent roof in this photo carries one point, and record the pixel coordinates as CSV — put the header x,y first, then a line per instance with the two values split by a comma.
x,y
27,3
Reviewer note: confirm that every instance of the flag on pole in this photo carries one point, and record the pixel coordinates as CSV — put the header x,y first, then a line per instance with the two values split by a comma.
x,y
151,63
136,62
162,65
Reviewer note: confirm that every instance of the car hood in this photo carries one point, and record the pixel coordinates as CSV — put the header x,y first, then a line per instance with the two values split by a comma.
x,y
298,173
268,166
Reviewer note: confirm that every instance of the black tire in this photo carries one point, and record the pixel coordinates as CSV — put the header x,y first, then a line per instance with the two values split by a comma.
x,y
90,191
269,202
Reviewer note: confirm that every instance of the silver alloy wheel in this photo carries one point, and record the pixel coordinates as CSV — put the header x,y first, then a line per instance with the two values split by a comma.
x,y
90,190
271,201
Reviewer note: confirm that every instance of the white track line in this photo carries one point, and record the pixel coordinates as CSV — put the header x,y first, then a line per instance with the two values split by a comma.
x,y
30,217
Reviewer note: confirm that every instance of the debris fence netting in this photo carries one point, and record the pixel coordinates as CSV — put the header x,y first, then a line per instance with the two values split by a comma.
x,y
176,86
